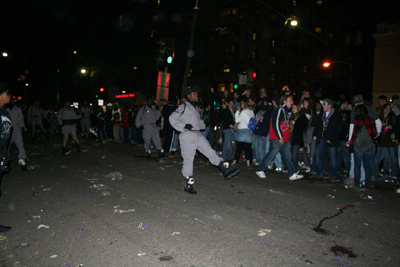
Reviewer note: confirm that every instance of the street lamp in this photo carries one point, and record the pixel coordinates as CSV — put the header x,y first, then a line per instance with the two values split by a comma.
x,y
5,54
83,71
293,22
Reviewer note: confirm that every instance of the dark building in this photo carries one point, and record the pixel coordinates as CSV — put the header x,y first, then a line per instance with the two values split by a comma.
x,y
236,36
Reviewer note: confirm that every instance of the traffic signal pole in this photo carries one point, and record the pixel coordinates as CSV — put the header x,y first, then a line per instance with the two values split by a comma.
x,y
189,57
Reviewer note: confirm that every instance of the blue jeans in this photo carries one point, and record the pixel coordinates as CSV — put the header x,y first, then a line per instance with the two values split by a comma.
x,y
365,157
295,155
260,147
322,150
380,154
274,148
133,133
205,132
343,154
227,147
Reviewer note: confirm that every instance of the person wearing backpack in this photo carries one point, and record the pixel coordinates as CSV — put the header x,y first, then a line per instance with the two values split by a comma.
x,y
362,142
243,136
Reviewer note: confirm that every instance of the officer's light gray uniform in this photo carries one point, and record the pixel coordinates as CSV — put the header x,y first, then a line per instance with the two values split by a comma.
x,y
17,121
35,115
67,117
191,140
148,117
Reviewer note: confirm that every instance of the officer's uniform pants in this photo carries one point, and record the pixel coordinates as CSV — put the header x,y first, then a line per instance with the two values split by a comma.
x,y
16,138
150,132
190,142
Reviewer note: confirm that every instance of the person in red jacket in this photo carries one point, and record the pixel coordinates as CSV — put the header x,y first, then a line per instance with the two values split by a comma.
x,y
279,140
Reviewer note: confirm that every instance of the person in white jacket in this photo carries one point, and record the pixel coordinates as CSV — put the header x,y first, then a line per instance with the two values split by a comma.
x,y
244,135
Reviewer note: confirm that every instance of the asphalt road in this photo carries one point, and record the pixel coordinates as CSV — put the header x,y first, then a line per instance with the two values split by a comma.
x,y
108,206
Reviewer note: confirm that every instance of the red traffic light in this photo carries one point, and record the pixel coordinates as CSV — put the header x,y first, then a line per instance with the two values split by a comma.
x,y
102,89
253,75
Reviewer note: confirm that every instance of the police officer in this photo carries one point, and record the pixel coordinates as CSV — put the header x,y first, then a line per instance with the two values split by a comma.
x,y
18,124
5,132
67,120
148,117
35,118
186,119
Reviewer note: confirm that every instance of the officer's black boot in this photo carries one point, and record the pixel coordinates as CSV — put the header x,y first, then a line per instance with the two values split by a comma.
x,y
78,147
161,154
66,151
147,153
226,171
189,181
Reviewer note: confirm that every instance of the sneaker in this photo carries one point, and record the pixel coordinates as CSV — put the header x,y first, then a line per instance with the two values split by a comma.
x,y
306,169
349,181
397,191
254,161
173,149
359,189
295,176
261,174
256,164
22,163
270,167
278,169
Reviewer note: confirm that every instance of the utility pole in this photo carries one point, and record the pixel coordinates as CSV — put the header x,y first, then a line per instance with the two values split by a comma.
x,y
189,57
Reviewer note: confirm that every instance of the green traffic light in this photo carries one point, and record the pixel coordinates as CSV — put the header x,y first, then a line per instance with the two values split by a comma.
x,y
97,96
169,59
235,86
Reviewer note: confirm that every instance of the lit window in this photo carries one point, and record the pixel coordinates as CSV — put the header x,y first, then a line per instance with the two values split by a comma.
x,y
330,36
226,68
273,42
190,73
305,69
135,68
231,86
272,59
254,54
272,76
152,33
294,3
228,11
319,2
318,29
223,30
154,18
255,36
221,87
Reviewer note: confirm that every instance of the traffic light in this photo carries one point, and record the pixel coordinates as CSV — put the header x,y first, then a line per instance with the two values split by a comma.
x,y
161,52
170,50
250,77
235,86
101,90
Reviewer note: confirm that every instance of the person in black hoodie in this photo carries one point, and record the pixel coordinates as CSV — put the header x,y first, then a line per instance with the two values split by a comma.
x,y
326,133
261,133
228,124
299,123
343,151
168,130
5,132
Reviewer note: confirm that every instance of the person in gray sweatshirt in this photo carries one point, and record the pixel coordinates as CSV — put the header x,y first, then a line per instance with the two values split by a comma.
x,y
186,120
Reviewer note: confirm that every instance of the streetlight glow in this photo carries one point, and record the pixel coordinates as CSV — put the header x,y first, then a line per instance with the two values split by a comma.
x,y
326,64
293,22
83,71
5,54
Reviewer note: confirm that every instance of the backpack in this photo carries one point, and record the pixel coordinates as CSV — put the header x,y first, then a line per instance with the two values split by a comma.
x,y
252,124
363,140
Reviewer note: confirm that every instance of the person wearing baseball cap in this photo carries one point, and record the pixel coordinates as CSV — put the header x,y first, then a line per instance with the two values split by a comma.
x,y
5,132
327,130
186,119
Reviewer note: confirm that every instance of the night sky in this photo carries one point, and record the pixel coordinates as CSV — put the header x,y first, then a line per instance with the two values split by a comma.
x,y
39,35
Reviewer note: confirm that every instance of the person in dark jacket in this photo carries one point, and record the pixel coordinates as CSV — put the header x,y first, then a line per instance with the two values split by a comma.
x,y
5,133
228,124
261,133
279,140
343,151
299,123
326,133
168,130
